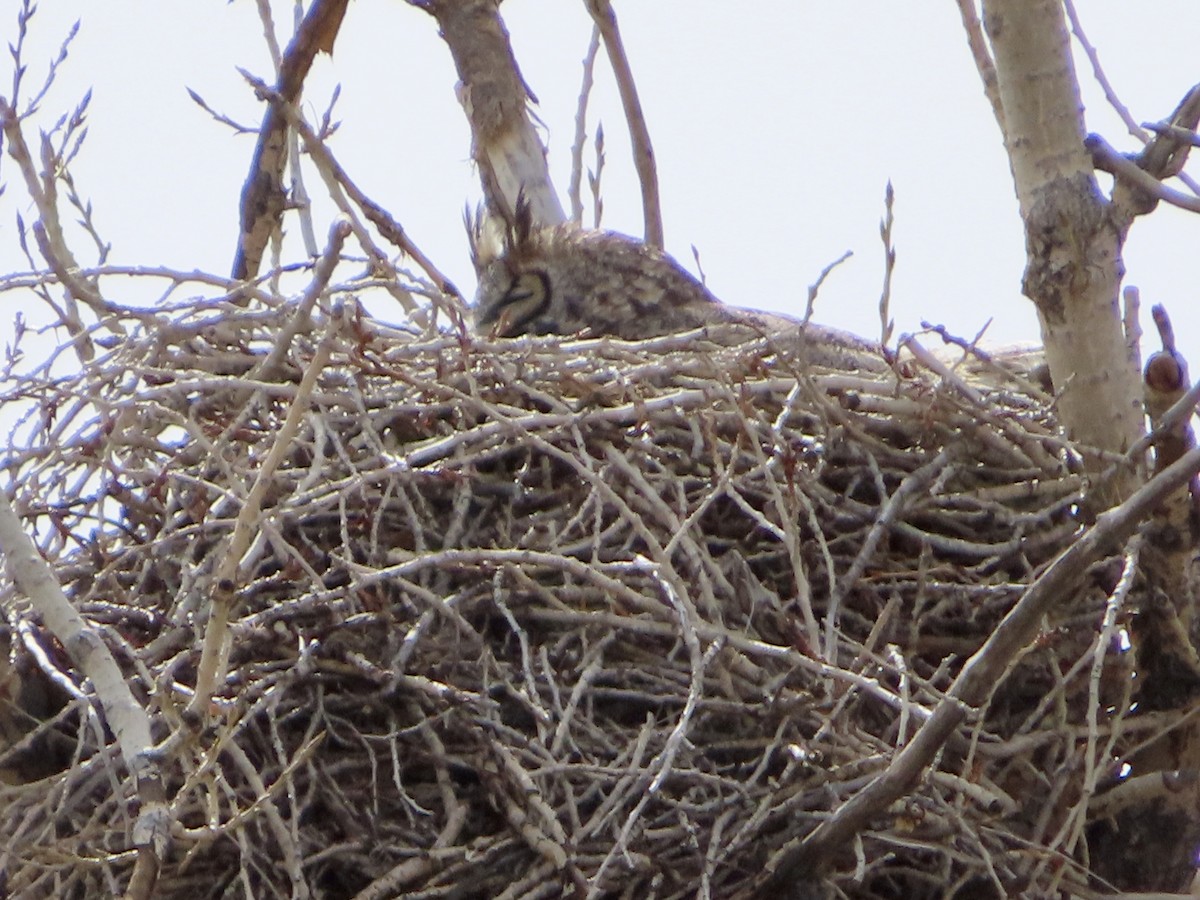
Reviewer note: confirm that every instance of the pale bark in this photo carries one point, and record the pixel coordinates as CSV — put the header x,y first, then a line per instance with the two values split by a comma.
x,y
505,145
1074,267
124,715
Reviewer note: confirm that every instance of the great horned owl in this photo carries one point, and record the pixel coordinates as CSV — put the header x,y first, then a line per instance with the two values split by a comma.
x,y
564,280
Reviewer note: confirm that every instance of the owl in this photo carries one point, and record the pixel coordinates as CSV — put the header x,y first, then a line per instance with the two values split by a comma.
x,y
566,280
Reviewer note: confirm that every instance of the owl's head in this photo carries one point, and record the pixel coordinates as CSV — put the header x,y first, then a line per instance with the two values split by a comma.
x,y
513,265
564,279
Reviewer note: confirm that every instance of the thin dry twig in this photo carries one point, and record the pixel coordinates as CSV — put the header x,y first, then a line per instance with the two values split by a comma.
x,y
984,64
980,675
887,324
639,133
227,579
263,196
574,189
1110,92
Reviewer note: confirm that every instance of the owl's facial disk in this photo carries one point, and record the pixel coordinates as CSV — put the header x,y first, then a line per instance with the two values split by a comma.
x,y
512,313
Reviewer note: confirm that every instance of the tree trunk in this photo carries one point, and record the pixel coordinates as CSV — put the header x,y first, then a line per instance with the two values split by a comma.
x,y
1073,243
505,145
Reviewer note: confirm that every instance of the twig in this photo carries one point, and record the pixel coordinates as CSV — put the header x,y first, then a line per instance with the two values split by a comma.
x,y
639,134
984,64
1110,92
336,180
815,288
574,191
886,323
129,721
978,678
913,485
210,671
263,199
49,233
933,364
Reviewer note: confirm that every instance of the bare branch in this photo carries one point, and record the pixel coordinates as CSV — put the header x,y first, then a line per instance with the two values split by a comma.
x,y
585,90
639,134
336,180
263,198
984,63
128,720
1110,92
1137,179
886,323
978,677
505,145
48,230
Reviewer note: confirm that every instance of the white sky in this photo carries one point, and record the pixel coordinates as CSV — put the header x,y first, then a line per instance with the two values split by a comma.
x,y
776,125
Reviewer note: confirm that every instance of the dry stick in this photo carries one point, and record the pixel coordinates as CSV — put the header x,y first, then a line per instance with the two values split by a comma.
x,y
639,134
1178,414
1110,92
939,368
574,190
263,198
1107,159
49,234
1076,819
664,760
886,323
388,227
336,180
913,485
322,273
212,659
128,720
268,368
978,678
983,58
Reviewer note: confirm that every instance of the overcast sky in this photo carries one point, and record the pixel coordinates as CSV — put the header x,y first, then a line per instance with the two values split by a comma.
x,y
776,125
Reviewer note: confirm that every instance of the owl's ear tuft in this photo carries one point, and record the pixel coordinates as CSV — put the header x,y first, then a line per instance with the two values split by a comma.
x,y
485,237
520,235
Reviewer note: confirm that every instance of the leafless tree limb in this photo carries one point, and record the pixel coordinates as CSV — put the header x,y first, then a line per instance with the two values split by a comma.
x,y
585,91
505,145
263,197
1110,92
984,64
978,678
639,133
125,716
339,185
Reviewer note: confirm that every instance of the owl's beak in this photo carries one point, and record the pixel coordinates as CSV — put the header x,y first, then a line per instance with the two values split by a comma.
x,y
523,302
500,326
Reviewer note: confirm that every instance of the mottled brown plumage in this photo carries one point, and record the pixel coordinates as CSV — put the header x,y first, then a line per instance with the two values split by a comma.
x,y
568,280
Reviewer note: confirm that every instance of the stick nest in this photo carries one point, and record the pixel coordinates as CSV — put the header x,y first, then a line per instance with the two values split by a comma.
x,y
534,619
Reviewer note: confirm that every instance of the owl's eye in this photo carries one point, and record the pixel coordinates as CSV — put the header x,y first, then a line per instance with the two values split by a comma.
x,y
526,298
